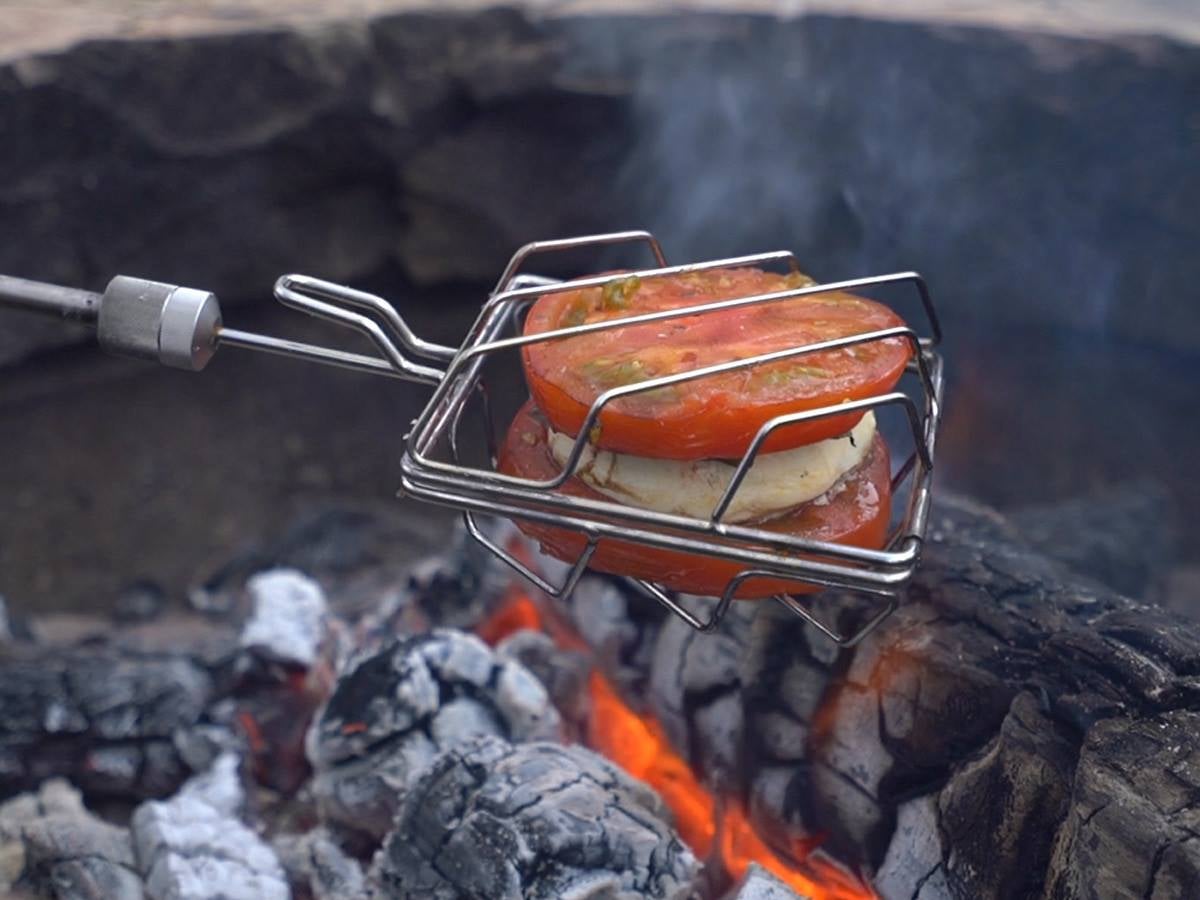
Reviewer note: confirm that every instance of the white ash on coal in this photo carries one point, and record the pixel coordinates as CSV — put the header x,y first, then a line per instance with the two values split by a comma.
x,y
618,623
564,673
106,718
696,685
317,867
51,846
394,710
288,620
195,844
981,743
291,644
493,821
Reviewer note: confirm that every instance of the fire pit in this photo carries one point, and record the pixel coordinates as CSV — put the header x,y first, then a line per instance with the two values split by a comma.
x,y
598,745
321,698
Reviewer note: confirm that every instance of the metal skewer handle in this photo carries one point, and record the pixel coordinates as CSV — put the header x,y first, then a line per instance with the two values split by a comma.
x,y
176,326
182,327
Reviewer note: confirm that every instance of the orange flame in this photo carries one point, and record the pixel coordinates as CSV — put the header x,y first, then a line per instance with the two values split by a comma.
x,y
639,745
820,880
516,613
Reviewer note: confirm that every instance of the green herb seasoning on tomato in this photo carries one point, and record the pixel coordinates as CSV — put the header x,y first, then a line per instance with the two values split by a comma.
x,y
716,416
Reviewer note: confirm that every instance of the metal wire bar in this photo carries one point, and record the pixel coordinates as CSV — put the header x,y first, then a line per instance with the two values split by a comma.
x,y
491,320
791,604
296,292
878,579
232,337
651,384
663,315
290,285
420,438
587,510
874,572
772,425
564,590
539,493
595,240
654,592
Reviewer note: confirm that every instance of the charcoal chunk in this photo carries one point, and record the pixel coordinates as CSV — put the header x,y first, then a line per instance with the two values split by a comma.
x,y
318,867
287,624
195,845
563,672
103,716
940,753
990,829
394,710
695,686
1134,818
499,821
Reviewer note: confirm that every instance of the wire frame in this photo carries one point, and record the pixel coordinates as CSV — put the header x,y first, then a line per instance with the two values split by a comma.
x,y
432,469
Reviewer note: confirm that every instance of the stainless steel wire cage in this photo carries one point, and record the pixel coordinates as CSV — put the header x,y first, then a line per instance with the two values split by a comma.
x,y
433,467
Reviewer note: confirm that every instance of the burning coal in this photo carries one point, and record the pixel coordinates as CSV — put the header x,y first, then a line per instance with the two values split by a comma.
x,y
715,827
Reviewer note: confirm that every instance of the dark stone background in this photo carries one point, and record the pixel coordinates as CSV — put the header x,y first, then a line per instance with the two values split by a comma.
x,y
1046,186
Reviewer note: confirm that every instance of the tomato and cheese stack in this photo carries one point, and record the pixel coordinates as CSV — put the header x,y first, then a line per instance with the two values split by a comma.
x,y
674,448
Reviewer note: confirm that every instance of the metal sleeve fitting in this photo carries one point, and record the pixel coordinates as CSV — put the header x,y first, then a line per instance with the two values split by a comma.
x,y
176,326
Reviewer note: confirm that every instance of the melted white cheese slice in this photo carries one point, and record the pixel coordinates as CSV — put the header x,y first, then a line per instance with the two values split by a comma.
x,y
775,483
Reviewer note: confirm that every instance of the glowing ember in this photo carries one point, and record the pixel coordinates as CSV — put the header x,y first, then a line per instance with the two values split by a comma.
x,y
639,745
741,845
519,612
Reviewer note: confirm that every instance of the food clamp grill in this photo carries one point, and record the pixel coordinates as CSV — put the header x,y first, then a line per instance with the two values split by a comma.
x,y
182,328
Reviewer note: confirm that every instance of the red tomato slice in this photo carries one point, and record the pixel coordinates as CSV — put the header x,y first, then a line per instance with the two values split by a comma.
x,y
858,515
716,416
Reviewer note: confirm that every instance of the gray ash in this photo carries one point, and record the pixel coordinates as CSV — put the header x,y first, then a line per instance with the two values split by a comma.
x,y
107,719
197,845
51,846
394,710
493,821
318,868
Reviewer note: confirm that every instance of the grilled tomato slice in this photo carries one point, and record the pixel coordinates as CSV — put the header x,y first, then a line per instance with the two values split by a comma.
x,y
855,512
715,416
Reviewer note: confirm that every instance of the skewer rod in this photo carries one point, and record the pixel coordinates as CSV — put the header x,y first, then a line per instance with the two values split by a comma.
x,y
69,304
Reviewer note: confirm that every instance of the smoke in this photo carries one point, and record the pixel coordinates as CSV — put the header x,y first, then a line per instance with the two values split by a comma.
x,y
984,159
1045,187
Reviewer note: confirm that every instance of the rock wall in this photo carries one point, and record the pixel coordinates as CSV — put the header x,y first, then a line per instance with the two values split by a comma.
x,y
1029,176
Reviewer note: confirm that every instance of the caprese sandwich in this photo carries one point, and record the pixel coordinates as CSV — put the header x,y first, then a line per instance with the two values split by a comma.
x,y
675,448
